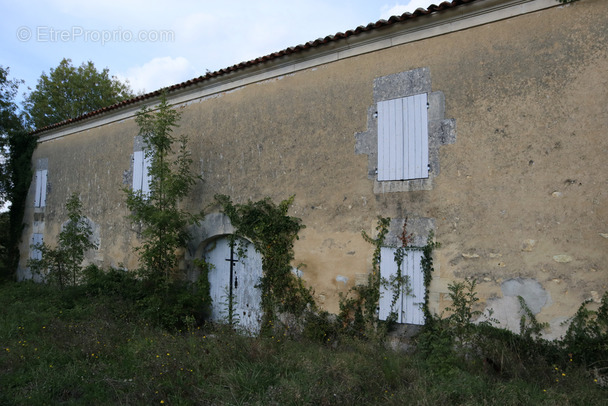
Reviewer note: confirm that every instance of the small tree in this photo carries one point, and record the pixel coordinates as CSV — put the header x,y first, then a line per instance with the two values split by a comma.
x,y
163,222
63,263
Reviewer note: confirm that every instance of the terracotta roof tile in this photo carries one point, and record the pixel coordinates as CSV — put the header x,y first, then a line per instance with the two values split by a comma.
x,y
275,55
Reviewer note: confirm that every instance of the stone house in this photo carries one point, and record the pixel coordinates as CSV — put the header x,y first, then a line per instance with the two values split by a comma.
x,y
485,121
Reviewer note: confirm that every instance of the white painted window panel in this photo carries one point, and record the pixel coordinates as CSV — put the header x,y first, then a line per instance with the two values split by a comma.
x,y
382,140
138,165
40,191
415,300
37,190
146,178
418,155
397,162
403,138
34,252
388,268
141,172
43,182
408,306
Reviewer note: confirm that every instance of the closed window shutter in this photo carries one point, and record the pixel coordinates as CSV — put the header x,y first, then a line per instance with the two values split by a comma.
x,y
34,252
415,300
408,306
141,175
44,174
388,269
138,166
146,178
403,147
37,190
40,192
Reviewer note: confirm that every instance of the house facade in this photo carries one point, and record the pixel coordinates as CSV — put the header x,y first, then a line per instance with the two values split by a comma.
x,y
483,121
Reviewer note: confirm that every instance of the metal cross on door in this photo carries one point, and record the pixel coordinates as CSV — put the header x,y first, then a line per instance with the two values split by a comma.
x,y
235,297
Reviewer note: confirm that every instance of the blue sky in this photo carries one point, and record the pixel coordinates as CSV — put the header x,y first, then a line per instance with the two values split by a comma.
x,y
153,44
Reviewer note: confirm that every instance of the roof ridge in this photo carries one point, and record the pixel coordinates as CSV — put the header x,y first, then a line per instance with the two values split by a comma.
x,y
274,55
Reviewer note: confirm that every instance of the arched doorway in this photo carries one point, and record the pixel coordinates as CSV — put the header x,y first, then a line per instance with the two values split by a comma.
x,y
234,279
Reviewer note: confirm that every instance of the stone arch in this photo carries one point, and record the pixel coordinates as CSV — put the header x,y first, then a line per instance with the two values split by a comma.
x,y
234,279
215,225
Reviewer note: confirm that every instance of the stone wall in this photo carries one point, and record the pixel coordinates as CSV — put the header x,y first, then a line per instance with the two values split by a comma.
x,y
518,195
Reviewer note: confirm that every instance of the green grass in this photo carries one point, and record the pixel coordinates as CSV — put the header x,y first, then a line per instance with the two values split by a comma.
x,y
78,348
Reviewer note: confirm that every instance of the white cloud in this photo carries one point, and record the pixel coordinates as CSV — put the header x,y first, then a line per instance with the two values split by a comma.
x,y
398,9
196,27
158,73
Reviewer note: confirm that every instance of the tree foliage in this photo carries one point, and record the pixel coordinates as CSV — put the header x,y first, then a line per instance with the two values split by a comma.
x,y
63,264
10,122
273,234
163,222
16,147
69,91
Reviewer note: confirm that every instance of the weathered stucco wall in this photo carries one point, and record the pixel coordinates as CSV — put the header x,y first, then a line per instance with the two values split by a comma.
x,y
520,201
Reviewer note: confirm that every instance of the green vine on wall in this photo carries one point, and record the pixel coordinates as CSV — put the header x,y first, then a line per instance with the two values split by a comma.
x,y
427,270
273,233
399,284
359,312
203,286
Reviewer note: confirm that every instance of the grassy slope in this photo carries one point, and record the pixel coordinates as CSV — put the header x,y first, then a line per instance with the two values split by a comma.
x,y
73,348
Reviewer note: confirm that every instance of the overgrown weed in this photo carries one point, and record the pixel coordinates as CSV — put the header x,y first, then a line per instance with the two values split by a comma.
x,y
90,354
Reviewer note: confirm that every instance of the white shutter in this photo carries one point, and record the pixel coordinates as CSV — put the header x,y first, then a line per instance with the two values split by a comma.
x,y
403,149
408,306
412,303
141,172
37,189
40,188
138,165
145,181
388,268
43,178
34,252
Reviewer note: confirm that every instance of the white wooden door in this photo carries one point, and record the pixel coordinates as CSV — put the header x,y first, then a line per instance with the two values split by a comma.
x,y
234,282
409,303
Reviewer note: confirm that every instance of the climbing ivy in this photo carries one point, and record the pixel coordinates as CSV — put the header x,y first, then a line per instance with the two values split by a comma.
x,y
273,233
203,285
427,270
399,283
359,311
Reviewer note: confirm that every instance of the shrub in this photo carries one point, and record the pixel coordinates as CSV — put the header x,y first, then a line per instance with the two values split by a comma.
x,y
63,265
587,336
